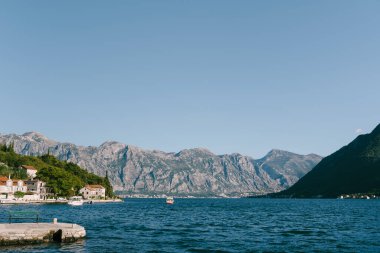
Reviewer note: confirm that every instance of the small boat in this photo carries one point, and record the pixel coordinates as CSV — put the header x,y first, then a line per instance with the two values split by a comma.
x,y
75,201
170,200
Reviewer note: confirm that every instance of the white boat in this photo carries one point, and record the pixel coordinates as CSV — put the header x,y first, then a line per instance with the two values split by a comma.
x,y
170,200
75,201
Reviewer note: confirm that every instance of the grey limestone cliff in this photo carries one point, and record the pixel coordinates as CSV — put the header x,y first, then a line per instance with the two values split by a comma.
x,y
196,172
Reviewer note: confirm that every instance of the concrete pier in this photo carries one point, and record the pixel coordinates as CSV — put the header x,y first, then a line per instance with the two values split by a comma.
x,y
34,233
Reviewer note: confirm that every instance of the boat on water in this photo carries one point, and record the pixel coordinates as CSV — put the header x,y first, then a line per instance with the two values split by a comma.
x,y
170,200
75,201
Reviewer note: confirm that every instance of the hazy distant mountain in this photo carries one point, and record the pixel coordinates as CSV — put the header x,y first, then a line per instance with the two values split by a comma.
x,y
354,168
188,172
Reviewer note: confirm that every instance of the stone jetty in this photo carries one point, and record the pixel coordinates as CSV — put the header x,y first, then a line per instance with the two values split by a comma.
x,y
34,233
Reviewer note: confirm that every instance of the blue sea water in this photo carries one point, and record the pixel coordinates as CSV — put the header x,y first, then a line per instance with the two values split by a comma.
x,y
217,225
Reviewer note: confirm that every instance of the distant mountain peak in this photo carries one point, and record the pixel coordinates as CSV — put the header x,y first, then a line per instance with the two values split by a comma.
x,y
34,134
278,152
192,151
111,143
236,154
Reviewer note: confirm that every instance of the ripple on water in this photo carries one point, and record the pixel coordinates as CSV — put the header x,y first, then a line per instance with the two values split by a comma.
x,y
218,225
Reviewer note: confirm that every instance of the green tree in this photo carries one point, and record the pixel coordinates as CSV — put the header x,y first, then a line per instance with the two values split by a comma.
x,y
19,194
62,182
64,178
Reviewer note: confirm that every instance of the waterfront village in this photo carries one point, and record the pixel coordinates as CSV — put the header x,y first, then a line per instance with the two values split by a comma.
x,y
34,190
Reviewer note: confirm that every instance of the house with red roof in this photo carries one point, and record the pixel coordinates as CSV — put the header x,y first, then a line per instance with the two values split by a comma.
x,y
93,191
30,170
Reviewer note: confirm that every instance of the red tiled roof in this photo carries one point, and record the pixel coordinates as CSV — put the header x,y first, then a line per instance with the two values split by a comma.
x,y
28,167
3,179
16,181
94,186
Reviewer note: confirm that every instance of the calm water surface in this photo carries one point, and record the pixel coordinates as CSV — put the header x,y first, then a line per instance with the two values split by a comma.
x,y
219,225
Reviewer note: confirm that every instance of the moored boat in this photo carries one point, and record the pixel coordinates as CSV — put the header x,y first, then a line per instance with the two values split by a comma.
x,y
75,201
170,200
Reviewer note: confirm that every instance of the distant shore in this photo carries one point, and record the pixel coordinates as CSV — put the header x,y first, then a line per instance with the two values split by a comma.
x,y
161,195
23,201
178,197
54,201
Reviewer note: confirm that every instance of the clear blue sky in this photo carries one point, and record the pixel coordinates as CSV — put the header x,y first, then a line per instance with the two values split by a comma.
x,y
231,76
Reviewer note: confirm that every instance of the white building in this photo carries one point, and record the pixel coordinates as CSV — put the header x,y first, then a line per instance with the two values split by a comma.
x,y
30,171
38,187
8,187
93,192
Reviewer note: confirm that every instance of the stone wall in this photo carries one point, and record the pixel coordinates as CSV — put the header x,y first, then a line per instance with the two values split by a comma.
x,y
34,233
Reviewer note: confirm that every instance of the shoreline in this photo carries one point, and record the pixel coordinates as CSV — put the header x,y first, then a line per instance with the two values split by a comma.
x,y
49,201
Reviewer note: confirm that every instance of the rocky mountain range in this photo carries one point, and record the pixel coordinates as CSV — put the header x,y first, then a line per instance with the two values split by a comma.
x,y
196,172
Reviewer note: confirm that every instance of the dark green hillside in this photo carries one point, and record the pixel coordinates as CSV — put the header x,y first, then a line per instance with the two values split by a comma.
x,y
354,168
63,177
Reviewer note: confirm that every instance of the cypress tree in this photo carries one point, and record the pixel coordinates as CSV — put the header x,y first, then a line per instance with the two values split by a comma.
x,y
11,147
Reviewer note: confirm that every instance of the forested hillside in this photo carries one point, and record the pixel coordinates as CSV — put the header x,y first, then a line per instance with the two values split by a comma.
x,y
64,178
